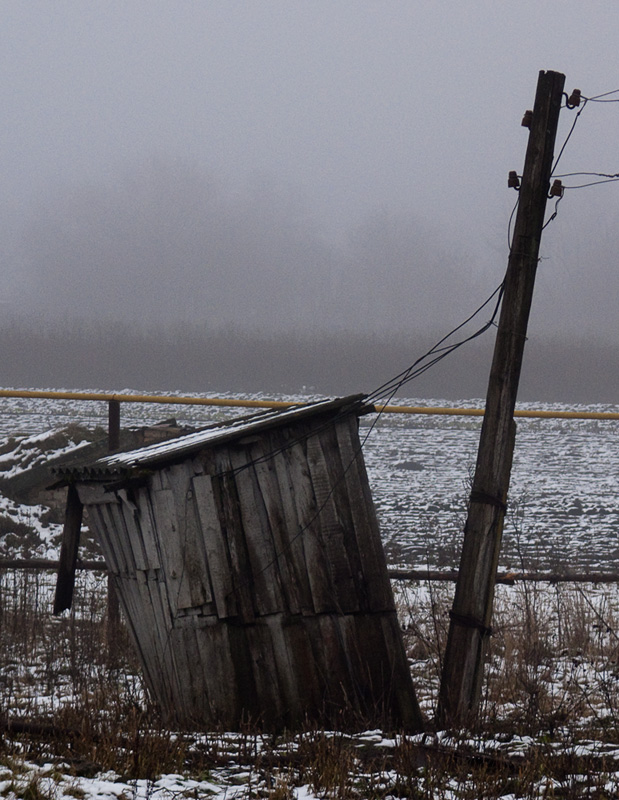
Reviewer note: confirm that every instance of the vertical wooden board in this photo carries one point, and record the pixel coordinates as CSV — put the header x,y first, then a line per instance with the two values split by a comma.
x,y
177,702
117,538
189,668
195,589
166,605
131,521
219,668
309,686
323,593
131,607
286,666
124,540
275,506
65,580
152,621
179,707
291,531
367,533
332,667
337,481
331,528
217,556
138,614
271,709
170,671
98,525
263,558
160,624
363,639
168,534
404,705
227,502
159,480
147,527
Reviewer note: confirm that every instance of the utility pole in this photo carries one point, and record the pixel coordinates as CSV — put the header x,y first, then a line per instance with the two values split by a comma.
x,y
471,614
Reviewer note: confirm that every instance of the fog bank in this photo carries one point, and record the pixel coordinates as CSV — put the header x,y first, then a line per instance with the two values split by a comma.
x,y
187,358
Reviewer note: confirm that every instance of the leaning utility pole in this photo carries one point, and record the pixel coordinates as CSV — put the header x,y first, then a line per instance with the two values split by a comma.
x,y
471,614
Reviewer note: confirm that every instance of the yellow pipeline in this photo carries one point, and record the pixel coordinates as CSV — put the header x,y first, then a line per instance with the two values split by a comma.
x,y
146,398
479,412
234,403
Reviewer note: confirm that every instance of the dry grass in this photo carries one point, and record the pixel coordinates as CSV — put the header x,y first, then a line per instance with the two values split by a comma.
x,y
552,685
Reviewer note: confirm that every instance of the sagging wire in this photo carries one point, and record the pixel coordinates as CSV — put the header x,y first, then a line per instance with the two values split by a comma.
x,y
509,225
593,183
555,212
438,351
569,135
599,98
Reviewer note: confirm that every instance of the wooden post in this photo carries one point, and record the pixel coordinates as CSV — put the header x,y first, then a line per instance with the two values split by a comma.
x,y
471,614
68,551
113,426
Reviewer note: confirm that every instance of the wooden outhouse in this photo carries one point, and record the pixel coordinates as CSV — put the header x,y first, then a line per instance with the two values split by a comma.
x,y
249,566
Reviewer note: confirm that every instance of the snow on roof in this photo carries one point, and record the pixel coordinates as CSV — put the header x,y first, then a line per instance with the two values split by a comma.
x,y
183,446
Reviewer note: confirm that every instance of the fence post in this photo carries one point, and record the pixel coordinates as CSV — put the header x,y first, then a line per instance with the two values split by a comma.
x,y
113,425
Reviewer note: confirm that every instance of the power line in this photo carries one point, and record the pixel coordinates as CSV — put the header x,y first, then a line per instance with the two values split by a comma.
x,y
599,98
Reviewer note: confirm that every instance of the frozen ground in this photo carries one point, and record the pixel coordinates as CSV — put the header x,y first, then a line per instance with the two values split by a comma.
x,y
564,515
564,498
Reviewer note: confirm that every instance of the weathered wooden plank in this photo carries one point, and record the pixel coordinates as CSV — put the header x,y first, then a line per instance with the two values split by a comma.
x,y
337,481
304,670
291,530
269,707
268,596
323,593
367,533
179,708
227,502
99,527
138,612
189,669
332,668
147,527
363,640
195,590
168,535
215,546
65,581
134,533
223,690
285,667
119,538
160,626
331,528
404,700
274,503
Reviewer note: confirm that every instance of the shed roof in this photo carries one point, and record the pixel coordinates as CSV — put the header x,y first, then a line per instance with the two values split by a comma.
x,y
182,447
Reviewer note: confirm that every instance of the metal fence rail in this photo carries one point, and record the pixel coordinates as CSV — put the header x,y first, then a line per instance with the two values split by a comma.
x,y
451,576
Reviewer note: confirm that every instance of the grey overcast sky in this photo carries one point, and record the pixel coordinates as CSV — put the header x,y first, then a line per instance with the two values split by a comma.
x,y
326,162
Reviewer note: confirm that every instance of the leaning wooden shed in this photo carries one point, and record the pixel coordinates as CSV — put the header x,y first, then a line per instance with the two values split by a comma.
x,y
249,566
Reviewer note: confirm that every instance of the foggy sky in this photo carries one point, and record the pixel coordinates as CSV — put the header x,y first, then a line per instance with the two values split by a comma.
x,y
307,166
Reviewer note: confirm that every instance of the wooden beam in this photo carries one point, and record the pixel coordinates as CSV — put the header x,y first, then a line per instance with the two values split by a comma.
x,y
472,608
68,551
113,425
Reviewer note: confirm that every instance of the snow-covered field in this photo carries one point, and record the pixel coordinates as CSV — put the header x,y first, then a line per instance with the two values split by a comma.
x,y
564,498
552,688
